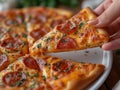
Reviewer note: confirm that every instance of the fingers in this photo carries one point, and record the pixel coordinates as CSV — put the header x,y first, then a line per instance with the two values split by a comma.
x,y
101,8
109,15
113,45
115,36
114,27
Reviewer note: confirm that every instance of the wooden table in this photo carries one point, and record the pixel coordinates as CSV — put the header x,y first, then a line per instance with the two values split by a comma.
x,y
114,75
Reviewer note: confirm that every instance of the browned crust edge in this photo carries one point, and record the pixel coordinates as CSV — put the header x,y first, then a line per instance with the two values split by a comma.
x,y
82,84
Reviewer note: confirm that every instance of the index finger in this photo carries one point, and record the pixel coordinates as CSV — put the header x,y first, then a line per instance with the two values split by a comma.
x,y
102,7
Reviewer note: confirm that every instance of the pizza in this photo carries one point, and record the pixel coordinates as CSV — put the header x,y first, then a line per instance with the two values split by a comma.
x,y
48,73
18,31
74,34
27,35
42,21
13,38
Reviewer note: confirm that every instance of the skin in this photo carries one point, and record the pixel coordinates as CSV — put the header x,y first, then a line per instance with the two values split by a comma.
x,y
109,16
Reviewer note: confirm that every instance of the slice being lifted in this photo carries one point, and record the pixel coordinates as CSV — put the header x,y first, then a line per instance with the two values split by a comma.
x,y
42,21
74,34
48,73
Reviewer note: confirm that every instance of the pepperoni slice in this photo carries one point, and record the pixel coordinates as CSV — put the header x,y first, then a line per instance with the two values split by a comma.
x,y
10,22
34,20
56,22
66,43
3,61
62,66
42,17
20,18
37,18
14,79
10,43
39,32
67,27
31,63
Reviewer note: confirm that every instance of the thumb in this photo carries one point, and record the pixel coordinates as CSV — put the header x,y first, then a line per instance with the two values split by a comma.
x,y
113,45
108,16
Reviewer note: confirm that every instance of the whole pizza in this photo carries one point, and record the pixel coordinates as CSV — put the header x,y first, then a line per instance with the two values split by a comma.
x,y
28,35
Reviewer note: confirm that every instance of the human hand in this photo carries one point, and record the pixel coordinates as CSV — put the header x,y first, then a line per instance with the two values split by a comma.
x,y
109,16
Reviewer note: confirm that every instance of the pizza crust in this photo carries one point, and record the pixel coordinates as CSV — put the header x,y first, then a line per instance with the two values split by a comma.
x,y
91,14
79,84
77,80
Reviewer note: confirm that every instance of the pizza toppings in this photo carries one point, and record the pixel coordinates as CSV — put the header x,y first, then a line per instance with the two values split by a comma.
x,y
67,27
3,60
33,84
31,63
47,39
43,77
80,25
54,77
39,32
41,63
66,43
32,75
24,35
62,66
14,79
38,45
37,18
20,18
42,17
10,43
56,22
3,30
10,22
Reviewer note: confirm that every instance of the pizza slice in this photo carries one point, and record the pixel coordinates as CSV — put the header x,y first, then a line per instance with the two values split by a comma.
x,y
13,44
14,41
23,74
48,73
74,34
63,74
13,38
42,21
6,59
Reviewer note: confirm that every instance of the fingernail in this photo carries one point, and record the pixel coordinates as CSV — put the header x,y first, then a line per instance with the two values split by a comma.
x,y
93,22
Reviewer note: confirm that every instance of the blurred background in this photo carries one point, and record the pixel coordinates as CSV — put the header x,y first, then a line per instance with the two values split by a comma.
x,y
68,4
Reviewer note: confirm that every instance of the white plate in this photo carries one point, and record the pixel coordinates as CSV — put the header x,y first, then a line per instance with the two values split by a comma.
x,y
94,55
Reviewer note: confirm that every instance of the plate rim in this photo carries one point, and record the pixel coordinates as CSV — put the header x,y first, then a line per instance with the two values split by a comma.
x,y
104,76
